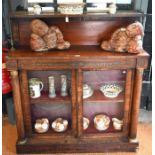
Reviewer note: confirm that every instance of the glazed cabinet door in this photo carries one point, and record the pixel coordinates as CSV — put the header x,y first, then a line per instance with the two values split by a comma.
x,y
48,102
104,99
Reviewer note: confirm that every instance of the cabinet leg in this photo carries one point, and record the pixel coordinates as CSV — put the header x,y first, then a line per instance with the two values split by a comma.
x,y
135,104
17,104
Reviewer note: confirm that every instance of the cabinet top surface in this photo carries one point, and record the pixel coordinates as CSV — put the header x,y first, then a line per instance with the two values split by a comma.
x,y
25,14
74,53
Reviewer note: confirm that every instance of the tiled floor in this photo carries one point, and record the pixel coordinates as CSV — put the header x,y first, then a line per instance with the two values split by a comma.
x,y
144,136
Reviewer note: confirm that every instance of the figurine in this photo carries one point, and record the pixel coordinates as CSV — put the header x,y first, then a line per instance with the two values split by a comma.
x,y
126,39
52,93
64,85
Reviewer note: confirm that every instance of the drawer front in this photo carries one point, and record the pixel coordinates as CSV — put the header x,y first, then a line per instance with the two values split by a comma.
x,y
121,63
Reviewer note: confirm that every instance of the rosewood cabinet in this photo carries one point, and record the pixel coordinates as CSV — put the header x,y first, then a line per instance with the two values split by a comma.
x,y
83,63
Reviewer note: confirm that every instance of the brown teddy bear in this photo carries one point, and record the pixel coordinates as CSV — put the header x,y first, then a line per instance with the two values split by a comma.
x,y
44,38
126,39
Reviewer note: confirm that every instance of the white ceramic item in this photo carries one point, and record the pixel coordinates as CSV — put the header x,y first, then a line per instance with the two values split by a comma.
x,y
111,90
52,93
87,91
41,125
86,123
117,124
37,9
64,85
112,8
101,122
35,87
71,8
60,125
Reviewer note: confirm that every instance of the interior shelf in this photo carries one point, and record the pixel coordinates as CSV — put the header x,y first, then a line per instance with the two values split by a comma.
x,y
52,132
98,97
44,98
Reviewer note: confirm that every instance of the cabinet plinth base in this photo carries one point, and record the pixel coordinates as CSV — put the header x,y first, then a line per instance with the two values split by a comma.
x,y
77,147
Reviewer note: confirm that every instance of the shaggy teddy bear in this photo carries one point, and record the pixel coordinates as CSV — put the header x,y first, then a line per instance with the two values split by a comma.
x,y
126,39
45,38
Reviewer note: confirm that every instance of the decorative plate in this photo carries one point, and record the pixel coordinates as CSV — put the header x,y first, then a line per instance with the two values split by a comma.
x,y
111,90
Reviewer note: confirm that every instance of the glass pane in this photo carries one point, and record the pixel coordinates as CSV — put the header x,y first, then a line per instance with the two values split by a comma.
x,y
103,100
50,101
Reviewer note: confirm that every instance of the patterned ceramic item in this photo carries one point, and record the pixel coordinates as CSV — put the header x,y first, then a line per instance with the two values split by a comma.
x,y
60,125
71,8
111,90
41,125
64,85
117,124
101,122
87,91
86,123
52,93
35,87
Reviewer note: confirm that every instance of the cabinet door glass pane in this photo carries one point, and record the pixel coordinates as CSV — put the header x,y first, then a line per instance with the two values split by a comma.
x,y
103,101
50,101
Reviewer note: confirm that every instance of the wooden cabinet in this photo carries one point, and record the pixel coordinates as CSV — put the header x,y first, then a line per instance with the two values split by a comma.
x,y
83,63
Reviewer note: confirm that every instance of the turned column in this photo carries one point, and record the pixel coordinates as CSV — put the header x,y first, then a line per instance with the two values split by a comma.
x,y
135,104
18,106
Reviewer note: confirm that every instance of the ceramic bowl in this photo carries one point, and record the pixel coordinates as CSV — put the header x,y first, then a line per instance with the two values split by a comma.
x,y
111,90
60,125
41,125
101,122
87,91
117,124
86,123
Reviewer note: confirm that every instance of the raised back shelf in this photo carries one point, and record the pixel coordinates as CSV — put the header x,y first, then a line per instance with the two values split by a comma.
x,y
89,28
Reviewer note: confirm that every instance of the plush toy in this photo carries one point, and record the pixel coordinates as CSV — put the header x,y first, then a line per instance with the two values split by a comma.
x,y
126,39
44,37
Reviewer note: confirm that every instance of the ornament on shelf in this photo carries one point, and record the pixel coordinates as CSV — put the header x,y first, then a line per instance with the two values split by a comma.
x,y
86,123
87,91
101,122
126,39
64,85
52,93
41,125
35,87
117,124
111,90
44,37
60,125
